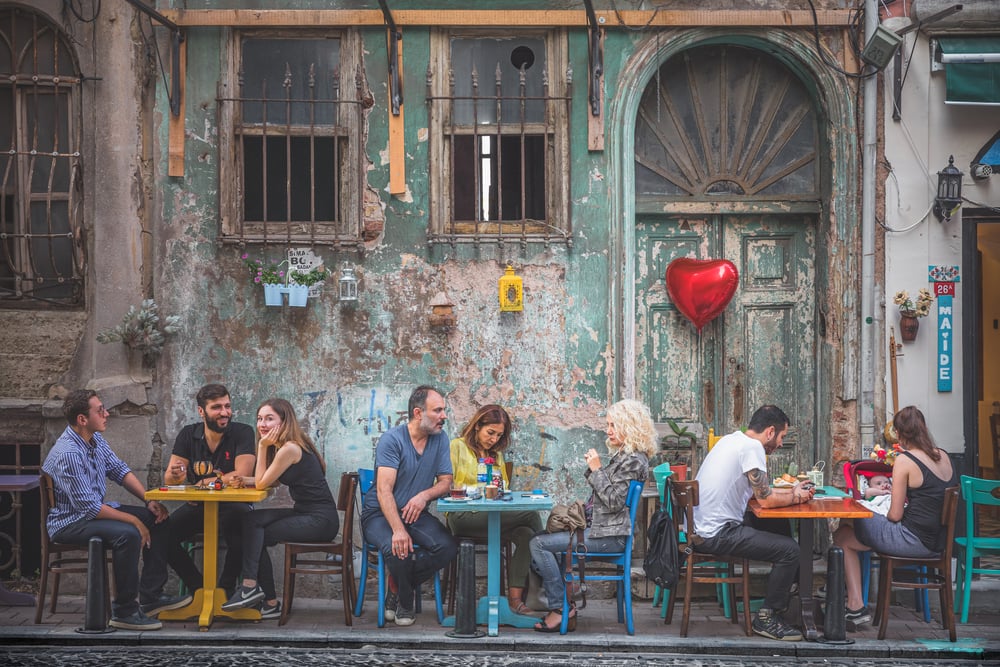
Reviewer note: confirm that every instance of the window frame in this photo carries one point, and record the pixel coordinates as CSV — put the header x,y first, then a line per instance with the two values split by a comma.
x,y
347,229
557,227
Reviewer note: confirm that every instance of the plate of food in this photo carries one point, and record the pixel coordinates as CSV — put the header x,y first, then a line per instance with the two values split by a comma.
x,y
784,482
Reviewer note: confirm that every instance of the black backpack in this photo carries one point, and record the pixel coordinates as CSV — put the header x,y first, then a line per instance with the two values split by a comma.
x,y
663,560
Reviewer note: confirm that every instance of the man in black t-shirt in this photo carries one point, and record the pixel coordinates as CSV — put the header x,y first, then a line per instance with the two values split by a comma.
x,y
230,447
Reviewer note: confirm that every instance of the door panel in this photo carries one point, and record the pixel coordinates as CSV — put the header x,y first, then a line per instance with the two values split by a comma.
x,y
769,329
760,350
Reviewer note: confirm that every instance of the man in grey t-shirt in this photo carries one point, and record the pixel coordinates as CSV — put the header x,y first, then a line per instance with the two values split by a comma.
x,y
412,468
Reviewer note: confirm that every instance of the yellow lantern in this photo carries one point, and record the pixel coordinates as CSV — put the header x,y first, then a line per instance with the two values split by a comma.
x,y
511,292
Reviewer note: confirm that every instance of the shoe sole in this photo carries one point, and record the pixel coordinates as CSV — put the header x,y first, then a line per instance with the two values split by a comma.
x,y
404,621
863,620
168,607
787,638
243,604
122,625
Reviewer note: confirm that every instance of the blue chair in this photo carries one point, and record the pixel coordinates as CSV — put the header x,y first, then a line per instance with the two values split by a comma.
x,y
366,477
975,491
621,574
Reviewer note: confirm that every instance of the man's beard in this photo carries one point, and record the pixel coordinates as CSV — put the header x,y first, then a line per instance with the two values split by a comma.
x,y
213,425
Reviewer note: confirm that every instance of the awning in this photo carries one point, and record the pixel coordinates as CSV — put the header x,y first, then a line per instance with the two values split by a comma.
x,y
972,67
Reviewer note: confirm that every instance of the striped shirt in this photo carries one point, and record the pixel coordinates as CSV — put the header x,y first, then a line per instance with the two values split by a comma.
x,y
79,472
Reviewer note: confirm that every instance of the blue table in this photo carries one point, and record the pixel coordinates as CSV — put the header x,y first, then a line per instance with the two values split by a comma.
x,y
493,609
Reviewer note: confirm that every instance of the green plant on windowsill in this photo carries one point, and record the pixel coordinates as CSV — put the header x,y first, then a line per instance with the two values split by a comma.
x,y
265,273
308,278
143,330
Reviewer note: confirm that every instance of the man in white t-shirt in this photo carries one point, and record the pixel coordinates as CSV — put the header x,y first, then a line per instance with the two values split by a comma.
x,y
733,472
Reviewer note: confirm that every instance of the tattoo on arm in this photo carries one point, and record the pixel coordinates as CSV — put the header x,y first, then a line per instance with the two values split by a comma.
x,y
759,484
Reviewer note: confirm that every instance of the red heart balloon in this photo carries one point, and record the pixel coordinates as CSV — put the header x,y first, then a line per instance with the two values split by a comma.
x,y
701,288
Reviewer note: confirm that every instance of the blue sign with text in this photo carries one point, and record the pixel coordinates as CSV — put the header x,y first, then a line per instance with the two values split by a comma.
x,y
946,342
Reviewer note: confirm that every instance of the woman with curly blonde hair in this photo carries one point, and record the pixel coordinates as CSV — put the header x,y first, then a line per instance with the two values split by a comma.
x,y
631,441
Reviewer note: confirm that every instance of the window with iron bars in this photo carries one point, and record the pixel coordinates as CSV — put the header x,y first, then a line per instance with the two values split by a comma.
x,y
292,156
499,153
41,256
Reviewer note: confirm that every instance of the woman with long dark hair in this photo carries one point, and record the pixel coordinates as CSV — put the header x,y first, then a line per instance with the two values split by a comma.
x,y
487,435
287,455
912,528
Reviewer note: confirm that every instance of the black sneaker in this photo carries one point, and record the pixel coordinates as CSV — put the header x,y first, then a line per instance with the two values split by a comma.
x,y
137,621
243,597
391,602
165,603
403,616
268,612
858,616
769,624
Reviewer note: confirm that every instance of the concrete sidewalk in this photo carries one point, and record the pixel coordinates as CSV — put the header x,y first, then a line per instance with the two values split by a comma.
x,y
320,623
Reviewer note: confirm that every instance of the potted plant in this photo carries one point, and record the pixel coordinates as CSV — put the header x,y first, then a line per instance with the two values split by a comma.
x,y
910,310
271,275
680,446
143,330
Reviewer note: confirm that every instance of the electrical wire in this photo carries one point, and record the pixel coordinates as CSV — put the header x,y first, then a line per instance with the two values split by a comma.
x,y
72,5
980,204
823,56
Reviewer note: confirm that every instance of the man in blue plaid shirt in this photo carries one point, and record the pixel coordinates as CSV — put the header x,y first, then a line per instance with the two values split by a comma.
x,y
80,464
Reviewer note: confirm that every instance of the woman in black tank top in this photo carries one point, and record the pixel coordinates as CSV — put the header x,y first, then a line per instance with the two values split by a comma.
x,y
912,527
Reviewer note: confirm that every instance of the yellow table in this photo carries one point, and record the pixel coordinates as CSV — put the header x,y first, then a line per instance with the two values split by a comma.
x,y
208,599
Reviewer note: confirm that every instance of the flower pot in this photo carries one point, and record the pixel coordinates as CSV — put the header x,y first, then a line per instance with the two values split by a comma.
x,y
272,294
298,295
908,325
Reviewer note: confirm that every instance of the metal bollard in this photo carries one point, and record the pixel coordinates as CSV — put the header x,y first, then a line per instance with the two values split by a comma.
x,y
835,623
465,594
95,616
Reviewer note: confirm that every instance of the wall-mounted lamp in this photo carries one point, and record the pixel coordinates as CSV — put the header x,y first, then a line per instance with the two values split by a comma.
x,y
949,192
348,285
442,311
511,291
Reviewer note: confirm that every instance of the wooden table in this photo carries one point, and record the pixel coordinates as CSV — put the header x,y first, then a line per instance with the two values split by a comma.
x,y
208,599
14,485
494,609
832,504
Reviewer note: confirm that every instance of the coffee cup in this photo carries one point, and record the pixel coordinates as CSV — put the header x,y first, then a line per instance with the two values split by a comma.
x,y
491,492
458,492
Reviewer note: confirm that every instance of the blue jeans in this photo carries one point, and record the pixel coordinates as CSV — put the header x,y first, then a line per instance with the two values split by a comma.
x,y
265,528
126,545
548,551
436,545
782,551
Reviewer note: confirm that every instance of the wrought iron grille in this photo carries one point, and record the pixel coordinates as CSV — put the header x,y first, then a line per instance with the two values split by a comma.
x,y
41,251
295,150
504,175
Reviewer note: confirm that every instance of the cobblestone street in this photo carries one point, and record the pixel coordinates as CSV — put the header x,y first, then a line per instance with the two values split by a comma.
x,y
46,656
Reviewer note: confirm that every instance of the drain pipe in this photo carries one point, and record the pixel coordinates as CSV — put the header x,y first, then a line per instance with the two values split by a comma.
x,y
868,284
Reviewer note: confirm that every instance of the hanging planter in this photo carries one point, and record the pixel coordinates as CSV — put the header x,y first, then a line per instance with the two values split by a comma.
x,y
272,294
908,326
298,295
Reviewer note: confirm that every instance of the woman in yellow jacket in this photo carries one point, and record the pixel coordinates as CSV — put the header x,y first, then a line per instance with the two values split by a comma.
x,y
487,435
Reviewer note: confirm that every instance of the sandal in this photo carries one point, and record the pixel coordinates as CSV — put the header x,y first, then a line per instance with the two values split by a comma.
x,y
518,607
542,626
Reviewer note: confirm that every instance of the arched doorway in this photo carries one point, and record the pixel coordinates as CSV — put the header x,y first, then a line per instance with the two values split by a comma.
x,y
726,165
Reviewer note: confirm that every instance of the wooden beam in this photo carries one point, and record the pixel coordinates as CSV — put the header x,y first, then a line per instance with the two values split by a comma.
x,y
519,18
397,141
176,124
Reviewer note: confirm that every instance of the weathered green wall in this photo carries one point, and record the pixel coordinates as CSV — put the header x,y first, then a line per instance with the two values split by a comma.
x,y
349,371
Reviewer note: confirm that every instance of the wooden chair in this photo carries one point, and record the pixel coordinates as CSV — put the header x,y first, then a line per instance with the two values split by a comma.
x,y
59,559
995,437
366,478
705,568
937,576
344,550
613,566
969,549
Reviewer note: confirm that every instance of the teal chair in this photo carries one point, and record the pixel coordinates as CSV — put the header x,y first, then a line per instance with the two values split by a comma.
x,y
975,492
620,570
